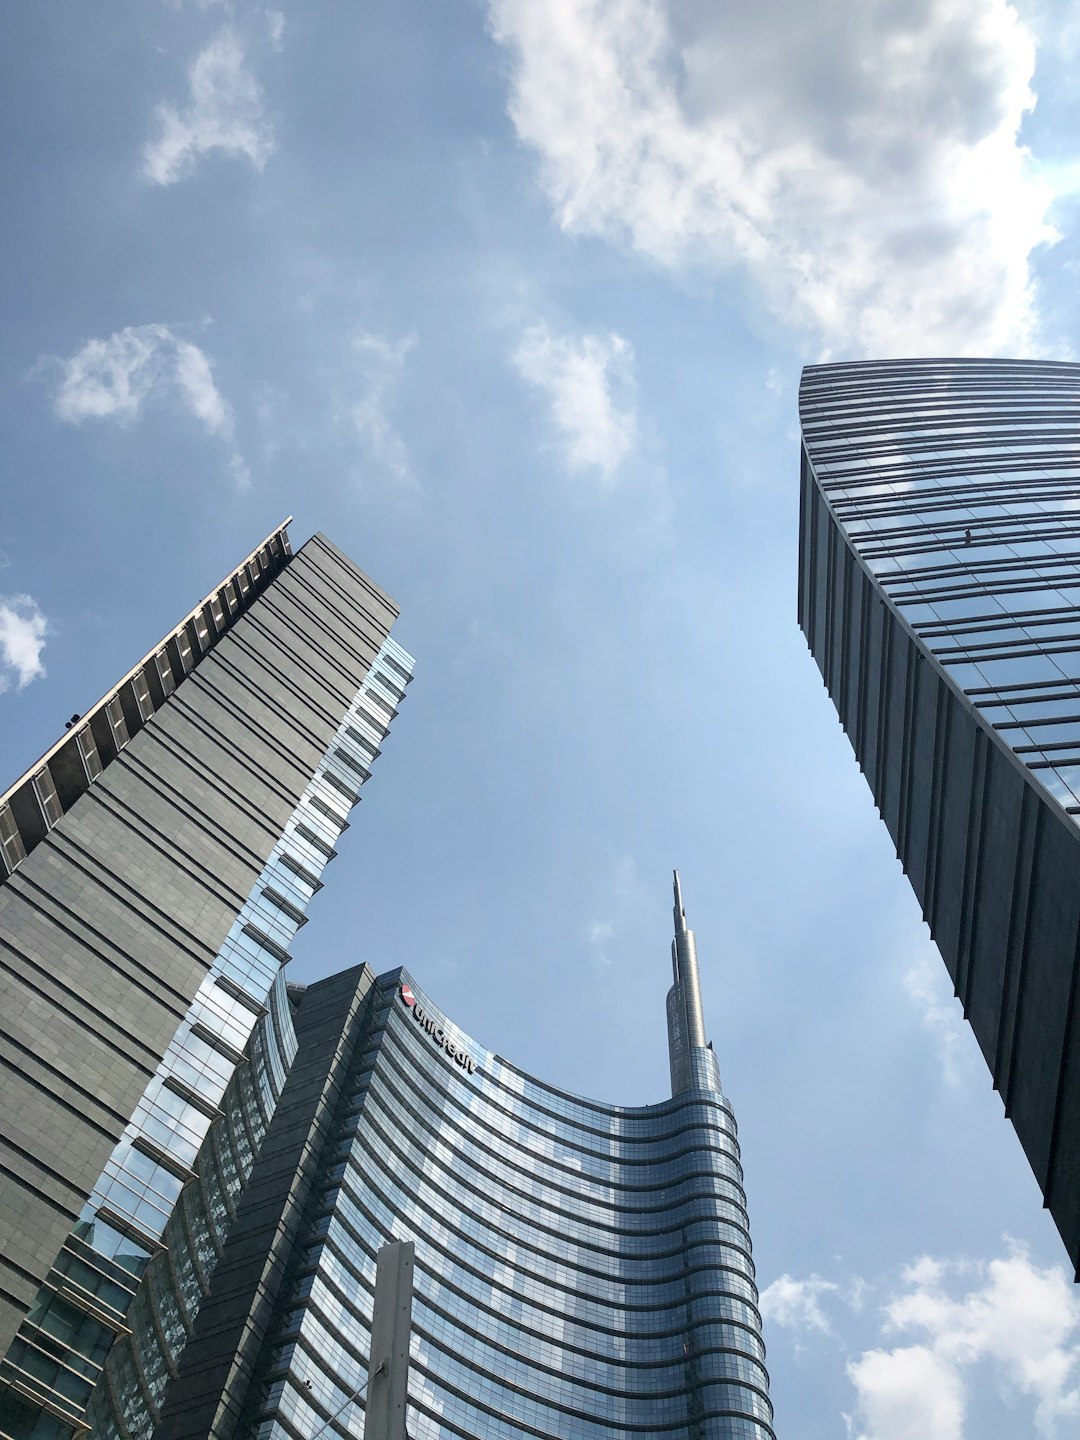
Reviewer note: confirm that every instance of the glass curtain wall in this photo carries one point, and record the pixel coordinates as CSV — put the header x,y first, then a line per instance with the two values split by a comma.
x,y
582,1270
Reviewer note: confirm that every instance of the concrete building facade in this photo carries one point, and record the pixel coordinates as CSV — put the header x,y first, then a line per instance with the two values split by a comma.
x,y
156,864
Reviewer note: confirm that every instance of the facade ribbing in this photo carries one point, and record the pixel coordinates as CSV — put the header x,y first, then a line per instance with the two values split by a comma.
x,y
939,591
582,1270
146,910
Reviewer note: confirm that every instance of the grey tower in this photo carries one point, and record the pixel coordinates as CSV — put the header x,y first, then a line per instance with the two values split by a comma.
x,y
939,591
155,865
693,1064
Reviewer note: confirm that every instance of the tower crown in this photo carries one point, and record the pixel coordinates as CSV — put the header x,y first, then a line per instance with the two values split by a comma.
x,y
690,1055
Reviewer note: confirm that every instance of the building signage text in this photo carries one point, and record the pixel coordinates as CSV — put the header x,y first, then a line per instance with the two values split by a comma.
x,y
429,1024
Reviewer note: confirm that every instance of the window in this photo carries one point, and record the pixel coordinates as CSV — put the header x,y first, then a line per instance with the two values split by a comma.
x,y
47,798
374,696
183,649
305,877
312,839
114,714
164,672
352,763
388,684
361,742
295,914
142,695
202,631
12,849
88,753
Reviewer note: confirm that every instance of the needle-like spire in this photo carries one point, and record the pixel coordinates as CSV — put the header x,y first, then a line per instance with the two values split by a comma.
x,y
686,1025
680,913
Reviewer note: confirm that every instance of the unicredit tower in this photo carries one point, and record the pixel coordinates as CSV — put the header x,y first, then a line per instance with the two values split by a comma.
x,y
582,1270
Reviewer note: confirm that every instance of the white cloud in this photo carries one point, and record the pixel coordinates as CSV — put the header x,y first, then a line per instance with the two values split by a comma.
x,y
224,112
1019,1322
110,379
796,1304
114,379
23,629
862,165
927,985
582,378
380,363
275,24
907,1394
195,380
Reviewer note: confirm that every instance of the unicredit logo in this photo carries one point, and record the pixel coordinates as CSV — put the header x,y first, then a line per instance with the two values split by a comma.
x,y
432,1027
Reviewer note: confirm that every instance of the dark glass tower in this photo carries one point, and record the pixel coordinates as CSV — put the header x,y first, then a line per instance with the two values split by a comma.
x,y
582,1270
939,590
157,862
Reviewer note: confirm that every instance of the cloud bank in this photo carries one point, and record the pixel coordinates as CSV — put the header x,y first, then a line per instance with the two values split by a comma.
x,y
224,111
861,164
952,1329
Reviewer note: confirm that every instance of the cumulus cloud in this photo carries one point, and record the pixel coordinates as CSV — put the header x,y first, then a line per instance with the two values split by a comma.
x,y
862,164
115,378
23,629
907,1394
927,985
380,363
1020,1322
224,111
796,1304
588,381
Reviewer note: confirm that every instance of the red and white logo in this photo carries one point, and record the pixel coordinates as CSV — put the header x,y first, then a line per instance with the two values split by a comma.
x,y
407,995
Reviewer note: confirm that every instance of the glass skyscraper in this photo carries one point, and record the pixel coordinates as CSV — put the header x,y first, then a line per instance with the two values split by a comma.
x,y
203,1161
939,590
582,1270
157,862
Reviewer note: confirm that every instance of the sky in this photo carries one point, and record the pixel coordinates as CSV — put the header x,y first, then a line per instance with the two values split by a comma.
x,y
510,299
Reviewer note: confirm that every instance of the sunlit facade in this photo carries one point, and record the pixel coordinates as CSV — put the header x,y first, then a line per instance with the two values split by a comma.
x,y
939,590
145,918
582,1270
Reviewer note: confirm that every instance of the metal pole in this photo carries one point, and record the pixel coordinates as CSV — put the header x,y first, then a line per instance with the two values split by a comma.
x,y
391,1325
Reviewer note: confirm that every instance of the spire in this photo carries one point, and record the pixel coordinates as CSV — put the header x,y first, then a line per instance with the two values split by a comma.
x,y
686,1024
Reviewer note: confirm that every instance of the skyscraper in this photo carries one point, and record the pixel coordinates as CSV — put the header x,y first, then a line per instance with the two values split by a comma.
x,y
156,863
939,591
205,1160
581,1269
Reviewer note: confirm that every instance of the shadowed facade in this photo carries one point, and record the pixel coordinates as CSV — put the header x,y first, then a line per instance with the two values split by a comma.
x,y
939,591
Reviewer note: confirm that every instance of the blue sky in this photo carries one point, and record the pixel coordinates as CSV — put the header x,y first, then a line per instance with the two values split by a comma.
x,y
511,300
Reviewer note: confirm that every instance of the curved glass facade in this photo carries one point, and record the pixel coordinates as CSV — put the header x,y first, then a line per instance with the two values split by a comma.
x,y
958,484
177,1280
582,1270
939,590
